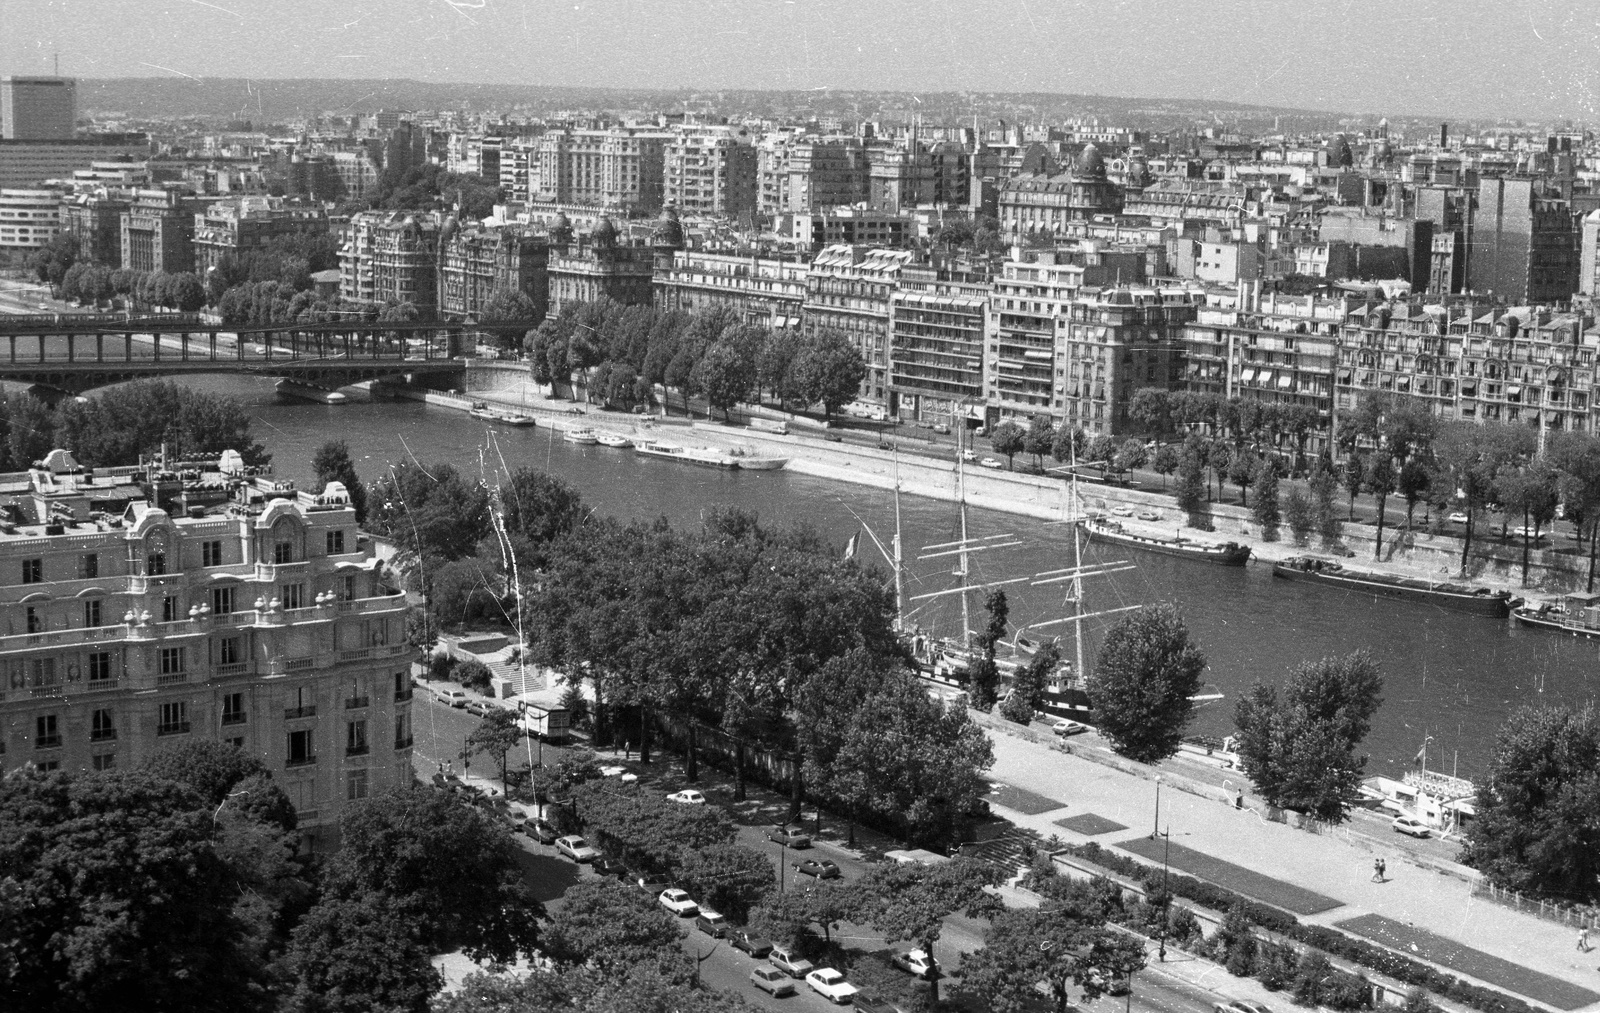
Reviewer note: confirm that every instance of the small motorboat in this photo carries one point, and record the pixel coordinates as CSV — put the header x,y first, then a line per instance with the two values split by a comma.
x,y
583,435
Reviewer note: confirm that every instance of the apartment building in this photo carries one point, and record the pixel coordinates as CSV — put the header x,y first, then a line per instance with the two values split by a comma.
x,y
158,230
390,255
1115,341
146,607
235,227
615,167
1024,369
28,218
710,170
597,265
850,226
937,326
851,289
95,220
805,174
765,291
479,262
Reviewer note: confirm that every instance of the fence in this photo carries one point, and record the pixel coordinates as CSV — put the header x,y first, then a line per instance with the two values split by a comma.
x,y
1575,915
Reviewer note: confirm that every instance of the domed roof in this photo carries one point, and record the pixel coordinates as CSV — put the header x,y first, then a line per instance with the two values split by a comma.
x,y
448,229
669,231
605,232
562,221
1090,162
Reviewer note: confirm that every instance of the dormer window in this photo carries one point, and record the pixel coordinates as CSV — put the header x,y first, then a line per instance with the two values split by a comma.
x,y
155,553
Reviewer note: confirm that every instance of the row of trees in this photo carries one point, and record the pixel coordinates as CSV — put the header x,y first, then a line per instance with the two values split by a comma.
x,y
92,283
713,353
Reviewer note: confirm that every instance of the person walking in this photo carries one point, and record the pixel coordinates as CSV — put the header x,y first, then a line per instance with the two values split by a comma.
x,y
1383,871
1377,870
1583,939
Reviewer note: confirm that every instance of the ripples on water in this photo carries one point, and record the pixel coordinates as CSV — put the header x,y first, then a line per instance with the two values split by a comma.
x,y
1449,676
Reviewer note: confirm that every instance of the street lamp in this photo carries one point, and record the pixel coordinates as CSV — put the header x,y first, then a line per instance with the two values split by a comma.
x,y
1155,829
783,856
1166,895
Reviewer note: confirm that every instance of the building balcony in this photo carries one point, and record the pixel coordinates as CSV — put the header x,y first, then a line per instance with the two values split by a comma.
x,y
171,678
290,666
233,719
233,668
403,743
176,728
47,742
356,701
361,750
303,761
403,696
103,735
273,573
295,713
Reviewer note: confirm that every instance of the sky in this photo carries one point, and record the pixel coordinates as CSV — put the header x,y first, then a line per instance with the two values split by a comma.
x,y
1533,59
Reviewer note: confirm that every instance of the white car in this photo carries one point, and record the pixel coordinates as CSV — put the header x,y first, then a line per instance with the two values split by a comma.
x,y
678,902
452,697
967,455
687,796
1122,510
1457,518
916,963
830,984
990,462
576,848
1410,825
1064,728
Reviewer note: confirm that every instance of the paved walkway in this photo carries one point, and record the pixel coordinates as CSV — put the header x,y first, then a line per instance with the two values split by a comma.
x,y
1328,865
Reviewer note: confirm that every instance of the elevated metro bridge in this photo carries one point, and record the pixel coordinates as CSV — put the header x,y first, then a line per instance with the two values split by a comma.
x,y
75,354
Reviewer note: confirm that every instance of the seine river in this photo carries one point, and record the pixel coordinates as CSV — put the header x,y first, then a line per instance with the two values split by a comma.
x,y
1450,677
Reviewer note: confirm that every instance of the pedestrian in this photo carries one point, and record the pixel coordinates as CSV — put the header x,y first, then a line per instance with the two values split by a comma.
x,y
1583,939
1377,870
1383,871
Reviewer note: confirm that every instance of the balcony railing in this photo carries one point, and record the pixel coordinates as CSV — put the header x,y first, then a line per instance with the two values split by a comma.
x,y
291,713
233,668
230,718
103,735
360,750
404,743
47,742
101,685
176,728
403,695
356,701
171,678
304,761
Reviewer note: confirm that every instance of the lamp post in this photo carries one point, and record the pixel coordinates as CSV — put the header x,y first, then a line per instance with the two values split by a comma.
x,y
783,858
1166,895
1155,829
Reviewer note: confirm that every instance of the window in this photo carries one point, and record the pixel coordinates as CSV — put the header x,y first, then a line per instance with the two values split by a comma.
x,y
348,589
283,552
357,784
48,765
169,609
402,730
233,708
89,565
91,612
300,749
105,761
174,719
33,571
222,600
335,542
172,661
230,651
211,553
101,726
99,666
237,743
402,687
293,595
35,622
45,735
355,743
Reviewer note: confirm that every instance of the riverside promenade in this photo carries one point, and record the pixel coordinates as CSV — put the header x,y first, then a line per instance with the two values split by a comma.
x,y
1329,871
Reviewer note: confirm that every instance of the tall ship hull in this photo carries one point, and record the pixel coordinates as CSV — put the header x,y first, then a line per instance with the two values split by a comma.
x,y
1479,601
1225,553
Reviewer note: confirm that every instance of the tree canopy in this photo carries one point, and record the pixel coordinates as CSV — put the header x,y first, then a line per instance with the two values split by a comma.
x,y
1141,685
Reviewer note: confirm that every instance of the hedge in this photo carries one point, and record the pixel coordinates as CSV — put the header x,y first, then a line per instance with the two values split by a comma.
x,y
1383,961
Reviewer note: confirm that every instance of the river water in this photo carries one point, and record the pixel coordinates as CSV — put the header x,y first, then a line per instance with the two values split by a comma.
x,y
1447,676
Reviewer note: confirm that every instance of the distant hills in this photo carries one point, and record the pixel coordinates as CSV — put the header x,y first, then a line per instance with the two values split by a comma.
x,y
276,101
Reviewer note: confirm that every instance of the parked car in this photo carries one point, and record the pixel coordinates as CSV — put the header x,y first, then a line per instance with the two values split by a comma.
x,y
1064,728
652,885
772,981
478,707
789,962
1457,518
1240,1006
941,429
540,831
1149,515
711,923
916,963
453,697
967,455
610,867
1122,510
576,848
821,868
749,942
678,902
830,984
687,796
991,462
865,1003
792,837
1411,825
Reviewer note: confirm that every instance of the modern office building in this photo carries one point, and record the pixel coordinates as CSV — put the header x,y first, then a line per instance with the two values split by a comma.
x,y
29,162
1524,245
28,218
38,108
148,607
936,344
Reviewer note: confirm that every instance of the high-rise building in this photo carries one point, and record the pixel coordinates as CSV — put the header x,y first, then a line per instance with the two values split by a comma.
x,y
38,108
615,167
1524,246
158,231
390,256
936,339
850,289
711,170
26,163
28,218
145,611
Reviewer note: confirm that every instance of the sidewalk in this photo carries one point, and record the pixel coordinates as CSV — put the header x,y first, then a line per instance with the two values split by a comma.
x,y
1326,865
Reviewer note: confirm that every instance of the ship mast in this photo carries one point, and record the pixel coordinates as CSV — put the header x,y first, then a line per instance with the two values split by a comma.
x,y
961,569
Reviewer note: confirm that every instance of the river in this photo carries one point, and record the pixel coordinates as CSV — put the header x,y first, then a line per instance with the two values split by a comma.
x,y
1450,677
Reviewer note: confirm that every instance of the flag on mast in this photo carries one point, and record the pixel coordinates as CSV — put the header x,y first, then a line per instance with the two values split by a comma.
x,y
850,546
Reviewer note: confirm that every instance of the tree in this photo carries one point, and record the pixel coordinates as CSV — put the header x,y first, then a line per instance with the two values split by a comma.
x,y
1057,945
1577,459
1008,439
911,900
1538,824
612,926
508,314
1191,491
729,878
1323,486
1382,480
1219,456
1028,688
1151,408
1300,514
186,294
1242,471
51,262
1068,445
1412,483
1130,455
1140,689
724,376
496,735
451,866
209,767
1039,438
1299,747
983,677
1165,461
1353,477
114,897
829,370
354,954
332,463
1265,510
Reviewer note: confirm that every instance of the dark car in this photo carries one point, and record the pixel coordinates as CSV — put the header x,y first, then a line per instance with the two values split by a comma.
x,y
864,1003
711,923
540,831
651,886
610,867
820,868
792,837
750,943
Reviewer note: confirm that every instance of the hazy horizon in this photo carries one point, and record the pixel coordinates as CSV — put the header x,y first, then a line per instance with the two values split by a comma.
x,y
1467,59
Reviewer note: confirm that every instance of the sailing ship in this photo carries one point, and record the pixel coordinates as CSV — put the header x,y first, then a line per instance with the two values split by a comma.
x,y
1478,601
